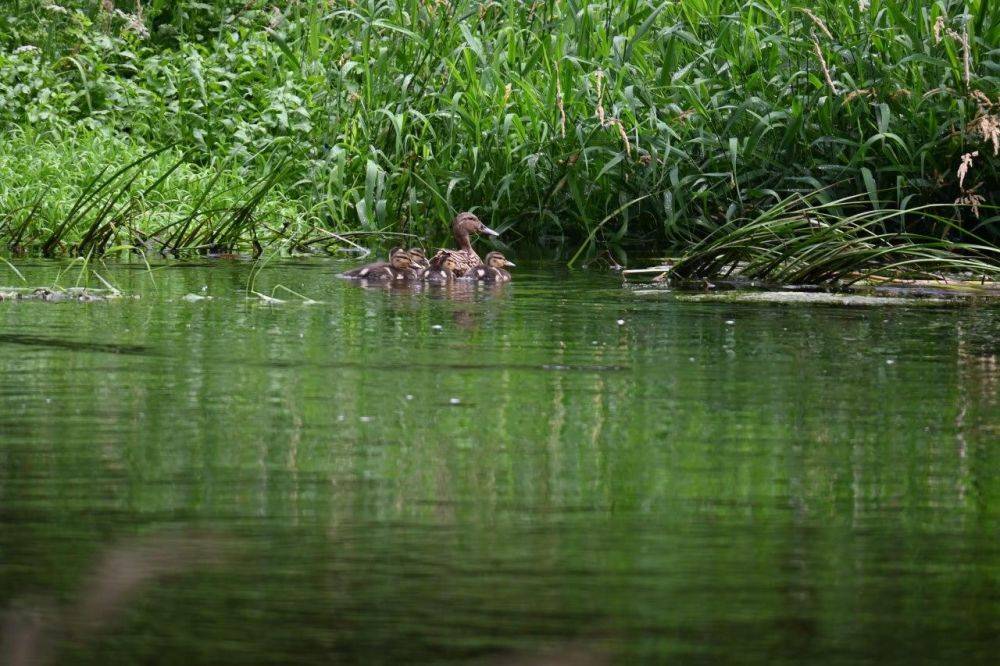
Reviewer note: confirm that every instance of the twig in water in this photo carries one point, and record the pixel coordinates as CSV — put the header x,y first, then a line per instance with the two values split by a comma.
x,y
270,300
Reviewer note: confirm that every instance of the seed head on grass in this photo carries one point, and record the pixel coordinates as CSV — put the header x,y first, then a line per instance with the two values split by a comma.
x,y
964,166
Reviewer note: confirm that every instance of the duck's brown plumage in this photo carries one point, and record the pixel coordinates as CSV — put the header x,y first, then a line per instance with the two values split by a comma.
x,y
464,257
418,258
441,269
493,269
399,267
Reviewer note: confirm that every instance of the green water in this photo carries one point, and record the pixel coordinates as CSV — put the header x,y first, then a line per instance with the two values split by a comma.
x,y
487,476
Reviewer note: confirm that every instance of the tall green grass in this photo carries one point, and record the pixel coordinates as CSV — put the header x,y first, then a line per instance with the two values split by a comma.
x,y
88,194
799,241
600,122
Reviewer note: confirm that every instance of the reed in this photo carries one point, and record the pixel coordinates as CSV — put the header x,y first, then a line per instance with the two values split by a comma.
x,y
799,241
547,118
78,206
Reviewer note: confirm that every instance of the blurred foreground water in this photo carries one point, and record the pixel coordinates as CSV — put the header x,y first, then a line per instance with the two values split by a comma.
x,y
555,471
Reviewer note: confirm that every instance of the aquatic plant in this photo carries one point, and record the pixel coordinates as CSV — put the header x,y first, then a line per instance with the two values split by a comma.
x,y
802,242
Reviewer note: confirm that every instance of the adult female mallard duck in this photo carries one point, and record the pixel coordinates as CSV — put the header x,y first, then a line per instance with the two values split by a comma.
x,y
493,269
464,257
399,267
441,270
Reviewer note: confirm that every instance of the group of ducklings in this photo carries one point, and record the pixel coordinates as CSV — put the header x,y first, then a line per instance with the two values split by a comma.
x,y
446,265
412,265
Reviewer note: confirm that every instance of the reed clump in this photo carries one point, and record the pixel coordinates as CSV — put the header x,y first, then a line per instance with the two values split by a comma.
x,y
599,122
801,241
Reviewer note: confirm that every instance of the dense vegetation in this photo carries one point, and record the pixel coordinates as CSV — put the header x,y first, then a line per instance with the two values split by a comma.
x,y
602,122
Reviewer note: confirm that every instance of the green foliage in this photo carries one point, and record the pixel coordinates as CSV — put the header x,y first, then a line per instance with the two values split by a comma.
x,y
90,193
798,241
546,117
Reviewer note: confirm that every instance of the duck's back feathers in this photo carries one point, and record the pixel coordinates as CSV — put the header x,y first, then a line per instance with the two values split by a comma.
x,y
399,267
484,273
491,270
433,274
418,260
464,260
380,270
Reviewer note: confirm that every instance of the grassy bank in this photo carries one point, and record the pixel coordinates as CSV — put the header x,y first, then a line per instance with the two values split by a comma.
x,y
600,122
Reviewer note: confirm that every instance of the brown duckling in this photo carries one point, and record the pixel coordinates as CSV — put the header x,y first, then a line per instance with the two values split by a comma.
x,y
441,270
418,258
465,257
399,267
492,269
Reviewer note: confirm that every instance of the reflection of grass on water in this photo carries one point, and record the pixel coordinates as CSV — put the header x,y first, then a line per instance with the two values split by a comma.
x,y
724,473
33,633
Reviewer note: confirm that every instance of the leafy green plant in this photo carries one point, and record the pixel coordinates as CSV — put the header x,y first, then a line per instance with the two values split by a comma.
x,y
548,118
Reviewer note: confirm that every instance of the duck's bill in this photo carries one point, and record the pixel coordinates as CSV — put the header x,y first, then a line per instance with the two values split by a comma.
x,y
489,232
510,263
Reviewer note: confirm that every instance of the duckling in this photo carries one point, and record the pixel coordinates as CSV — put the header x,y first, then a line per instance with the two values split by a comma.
x,y
441,270
418,258
399,267
492,269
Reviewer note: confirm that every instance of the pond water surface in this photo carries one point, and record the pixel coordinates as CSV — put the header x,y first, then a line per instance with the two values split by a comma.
x,y
555,471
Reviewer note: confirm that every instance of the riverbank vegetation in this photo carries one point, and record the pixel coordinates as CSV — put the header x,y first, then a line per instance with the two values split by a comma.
x,y
243,124
802,241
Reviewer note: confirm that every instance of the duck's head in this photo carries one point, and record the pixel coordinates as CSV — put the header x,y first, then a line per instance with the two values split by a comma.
x,y
467,223
497,260
418,258
400,258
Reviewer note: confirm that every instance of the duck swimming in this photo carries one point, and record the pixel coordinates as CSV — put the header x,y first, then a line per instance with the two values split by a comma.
x,y
418,258
399,267
493,269
464,257
440,271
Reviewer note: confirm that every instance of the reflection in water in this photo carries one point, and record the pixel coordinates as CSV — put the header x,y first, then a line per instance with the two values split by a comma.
x,y
563,655
498,476
31,631
72,345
